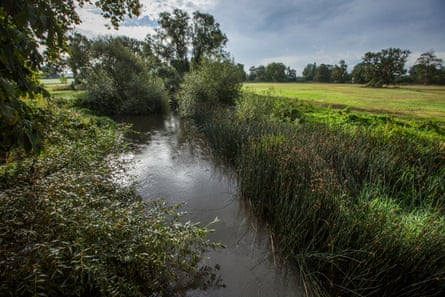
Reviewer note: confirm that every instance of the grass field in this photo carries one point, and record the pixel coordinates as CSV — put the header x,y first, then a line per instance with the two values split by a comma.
x,y
426,102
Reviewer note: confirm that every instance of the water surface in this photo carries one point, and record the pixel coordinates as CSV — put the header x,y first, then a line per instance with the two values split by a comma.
x,y
173,163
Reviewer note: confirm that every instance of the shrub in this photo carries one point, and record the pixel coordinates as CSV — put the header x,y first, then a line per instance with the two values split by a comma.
x,y
68,229
212,84
120,82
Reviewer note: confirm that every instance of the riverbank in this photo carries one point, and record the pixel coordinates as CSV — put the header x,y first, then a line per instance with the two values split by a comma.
x,y
358,208
69,229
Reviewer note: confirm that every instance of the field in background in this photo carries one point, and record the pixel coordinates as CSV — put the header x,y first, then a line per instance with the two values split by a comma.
x,y
425,102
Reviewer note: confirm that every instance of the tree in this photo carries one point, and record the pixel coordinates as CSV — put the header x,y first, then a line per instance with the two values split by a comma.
x,y
309,72
172,39
385,67
323,73
25,27
427,68
206,37
291,74
340,73
276,72
79,55
180,37
358,74
120,82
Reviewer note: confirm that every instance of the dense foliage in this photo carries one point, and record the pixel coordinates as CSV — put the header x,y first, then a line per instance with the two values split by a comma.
x,y
24,27
273,72
120,82
178,37
211,85
359,209
69,229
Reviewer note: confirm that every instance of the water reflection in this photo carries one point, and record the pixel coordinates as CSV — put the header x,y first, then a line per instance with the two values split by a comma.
x,y
173,164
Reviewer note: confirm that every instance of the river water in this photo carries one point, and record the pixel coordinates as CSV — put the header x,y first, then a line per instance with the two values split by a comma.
x,y
172,163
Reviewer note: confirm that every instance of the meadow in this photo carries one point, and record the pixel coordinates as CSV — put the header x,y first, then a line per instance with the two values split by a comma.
x,y
411,101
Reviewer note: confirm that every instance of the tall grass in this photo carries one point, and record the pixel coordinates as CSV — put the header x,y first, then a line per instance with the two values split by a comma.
x,y
359,211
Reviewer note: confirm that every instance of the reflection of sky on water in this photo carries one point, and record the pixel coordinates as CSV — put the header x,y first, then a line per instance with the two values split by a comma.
x,y
174,165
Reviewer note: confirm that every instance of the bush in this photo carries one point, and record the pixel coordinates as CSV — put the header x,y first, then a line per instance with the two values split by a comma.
x,y
68,229
121,83
212,84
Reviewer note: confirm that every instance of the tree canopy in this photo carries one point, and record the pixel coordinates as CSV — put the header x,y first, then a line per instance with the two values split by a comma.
x,y
385,67
180,39
25,28
428,69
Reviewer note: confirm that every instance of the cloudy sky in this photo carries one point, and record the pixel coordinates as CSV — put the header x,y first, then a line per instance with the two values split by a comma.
x,y
298,32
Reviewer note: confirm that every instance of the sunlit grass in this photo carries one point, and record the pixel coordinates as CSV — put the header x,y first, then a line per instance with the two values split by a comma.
x,y
426,102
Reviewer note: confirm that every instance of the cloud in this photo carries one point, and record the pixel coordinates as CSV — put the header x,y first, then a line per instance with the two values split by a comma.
x,y
298,32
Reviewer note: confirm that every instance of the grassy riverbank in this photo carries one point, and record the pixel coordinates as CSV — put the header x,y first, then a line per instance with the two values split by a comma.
x,y
358,207
70,229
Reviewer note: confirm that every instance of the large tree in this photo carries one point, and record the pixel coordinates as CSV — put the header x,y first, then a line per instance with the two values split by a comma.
x,y
385,67
27,26
180,39
323,73
340,72
79,55
172,39
276,72
427,69
206,37
309,72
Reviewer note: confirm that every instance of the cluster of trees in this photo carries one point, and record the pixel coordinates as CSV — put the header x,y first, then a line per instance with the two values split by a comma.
x,y
274,72
180,41
120,74
326,72
388,67
376,69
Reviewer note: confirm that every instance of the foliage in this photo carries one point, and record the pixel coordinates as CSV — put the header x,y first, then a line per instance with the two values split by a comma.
x,y
326,72
178,35
120,81
253,107
309,72
385,67
24,27
210,85
428,69
340,73
273,72
69,229
352,206
79,56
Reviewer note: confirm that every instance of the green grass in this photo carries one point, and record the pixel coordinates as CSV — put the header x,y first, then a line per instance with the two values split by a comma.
x,y
423,102
356,203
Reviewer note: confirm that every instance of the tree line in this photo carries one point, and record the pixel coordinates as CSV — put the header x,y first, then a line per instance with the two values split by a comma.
x,y
386,67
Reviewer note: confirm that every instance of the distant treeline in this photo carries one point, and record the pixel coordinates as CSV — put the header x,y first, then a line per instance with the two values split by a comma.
x,y
376,69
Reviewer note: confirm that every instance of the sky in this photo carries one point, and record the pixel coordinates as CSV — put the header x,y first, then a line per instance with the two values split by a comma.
x,y
299,32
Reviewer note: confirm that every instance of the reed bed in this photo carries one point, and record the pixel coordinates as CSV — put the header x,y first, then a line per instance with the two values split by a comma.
x,y
360,212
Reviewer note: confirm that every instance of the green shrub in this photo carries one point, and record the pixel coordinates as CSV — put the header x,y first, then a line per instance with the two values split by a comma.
x,y
212,84
120,82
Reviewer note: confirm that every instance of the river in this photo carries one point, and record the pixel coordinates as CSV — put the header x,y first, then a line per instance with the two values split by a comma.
x,y
173,163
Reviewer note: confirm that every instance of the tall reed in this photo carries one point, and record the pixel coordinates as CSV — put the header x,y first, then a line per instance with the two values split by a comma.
x,y
360,212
